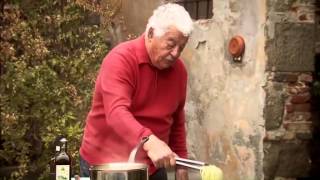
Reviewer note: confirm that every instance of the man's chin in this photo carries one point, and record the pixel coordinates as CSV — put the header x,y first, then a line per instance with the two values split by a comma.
x,y
167,65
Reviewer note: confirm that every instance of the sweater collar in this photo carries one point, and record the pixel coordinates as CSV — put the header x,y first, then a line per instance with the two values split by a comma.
x,y
142,53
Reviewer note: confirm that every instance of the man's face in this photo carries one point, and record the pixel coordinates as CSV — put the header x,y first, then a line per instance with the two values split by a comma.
x,y
165,50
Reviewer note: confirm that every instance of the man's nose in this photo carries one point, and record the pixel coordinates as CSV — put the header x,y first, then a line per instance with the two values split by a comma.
x,y
175,52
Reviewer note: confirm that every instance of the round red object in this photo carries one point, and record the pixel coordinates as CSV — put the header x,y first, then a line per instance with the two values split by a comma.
x,y
236,46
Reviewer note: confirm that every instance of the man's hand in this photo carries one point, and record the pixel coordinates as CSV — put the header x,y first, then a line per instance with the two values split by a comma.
x,y
159,152
181,173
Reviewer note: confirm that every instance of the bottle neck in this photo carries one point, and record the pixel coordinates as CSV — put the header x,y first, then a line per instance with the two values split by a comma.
x,y
63,147
57,148
63,144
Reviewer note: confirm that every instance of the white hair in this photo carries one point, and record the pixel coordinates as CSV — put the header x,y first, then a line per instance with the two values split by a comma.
x,y
170,15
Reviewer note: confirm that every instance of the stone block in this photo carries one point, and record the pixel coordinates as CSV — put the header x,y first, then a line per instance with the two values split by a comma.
x,y
306,107
286,159
299,11
271,159
294,160
284,178
298,116
298,88
318,47
275,98
318,32
285,77
289,108
301,98
279,135
291,49
304,135
306,78
275,135
280,6
305,127
289,136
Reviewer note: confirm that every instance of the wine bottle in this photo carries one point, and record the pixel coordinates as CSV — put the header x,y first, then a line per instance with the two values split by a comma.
x,y
63,162
53,165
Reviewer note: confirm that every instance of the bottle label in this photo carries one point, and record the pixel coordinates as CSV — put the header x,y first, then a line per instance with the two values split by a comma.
x,y
62,172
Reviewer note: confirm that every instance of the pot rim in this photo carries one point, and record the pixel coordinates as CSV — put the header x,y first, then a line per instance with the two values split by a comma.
x,y
118,166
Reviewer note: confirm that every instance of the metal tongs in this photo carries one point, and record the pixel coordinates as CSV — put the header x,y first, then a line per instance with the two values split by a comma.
x,y
190,163
179,161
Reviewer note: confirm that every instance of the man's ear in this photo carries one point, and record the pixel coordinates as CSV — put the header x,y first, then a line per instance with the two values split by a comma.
x,y
150,33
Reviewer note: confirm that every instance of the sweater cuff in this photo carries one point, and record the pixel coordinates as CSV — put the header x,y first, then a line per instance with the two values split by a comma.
x,y
144,133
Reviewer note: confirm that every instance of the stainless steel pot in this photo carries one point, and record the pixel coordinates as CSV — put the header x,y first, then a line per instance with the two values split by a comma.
x,y
119,171
122,170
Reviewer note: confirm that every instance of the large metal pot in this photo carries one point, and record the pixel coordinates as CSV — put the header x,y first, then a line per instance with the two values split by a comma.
x,y
119,171
122,170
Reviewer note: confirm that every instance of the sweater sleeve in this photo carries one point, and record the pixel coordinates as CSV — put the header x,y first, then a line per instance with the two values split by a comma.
x,y
177,141
118,86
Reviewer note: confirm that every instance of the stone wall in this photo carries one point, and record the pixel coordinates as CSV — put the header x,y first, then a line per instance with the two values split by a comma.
x,y
288,124
290,50
315,143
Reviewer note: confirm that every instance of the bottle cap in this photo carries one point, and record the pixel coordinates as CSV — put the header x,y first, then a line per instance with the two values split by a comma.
x,y
63,140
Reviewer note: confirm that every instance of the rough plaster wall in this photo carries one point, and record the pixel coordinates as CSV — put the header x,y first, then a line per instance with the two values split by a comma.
x,y
136,14
226,99
131,19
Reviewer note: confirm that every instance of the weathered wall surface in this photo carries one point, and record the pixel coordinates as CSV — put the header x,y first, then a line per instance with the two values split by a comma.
x,y
130,20
136,13
226,99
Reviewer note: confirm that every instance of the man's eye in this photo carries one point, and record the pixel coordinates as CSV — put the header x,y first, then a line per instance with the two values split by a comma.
x,y
170,46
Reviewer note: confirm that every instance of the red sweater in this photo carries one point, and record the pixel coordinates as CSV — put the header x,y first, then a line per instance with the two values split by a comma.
x,y
133,99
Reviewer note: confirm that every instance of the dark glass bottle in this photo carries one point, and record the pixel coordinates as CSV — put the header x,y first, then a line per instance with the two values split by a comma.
x,y
63,162
53,165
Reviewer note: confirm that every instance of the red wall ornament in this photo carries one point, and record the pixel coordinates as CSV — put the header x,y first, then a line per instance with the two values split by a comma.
x,y
236,48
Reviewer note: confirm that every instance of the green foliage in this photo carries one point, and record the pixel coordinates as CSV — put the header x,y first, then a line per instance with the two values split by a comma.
x,y
49,57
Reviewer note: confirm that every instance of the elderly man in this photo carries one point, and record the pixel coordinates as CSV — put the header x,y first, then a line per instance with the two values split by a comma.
x,y
140,92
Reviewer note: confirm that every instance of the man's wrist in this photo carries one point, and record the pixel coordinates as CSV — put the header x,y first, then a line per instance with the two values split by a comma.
x,y
148,139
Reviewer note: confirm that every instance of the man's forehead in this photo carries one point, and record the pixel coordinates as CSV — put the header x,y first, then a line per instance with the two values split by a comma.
x,y
173,33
